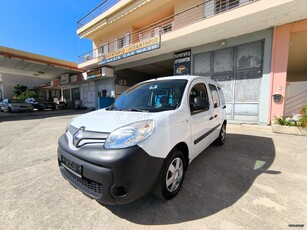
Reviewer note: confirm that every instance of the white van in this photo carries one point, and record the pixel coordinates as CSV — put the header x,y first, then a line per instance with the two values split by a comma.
x,y
145,141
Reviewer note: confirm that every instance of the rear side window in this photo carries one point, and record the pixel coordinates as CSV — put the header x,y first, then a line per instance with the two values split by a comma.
x,y
222,96
215,96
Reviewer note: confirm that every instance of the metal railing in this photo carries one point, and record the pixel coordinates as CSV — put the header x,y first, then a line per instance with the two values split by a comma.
x,y
100,9
168,24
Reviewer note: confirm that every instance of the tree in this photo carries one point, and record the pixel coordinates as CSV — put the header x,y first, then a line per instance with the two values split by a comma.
x,y
26,94
19,89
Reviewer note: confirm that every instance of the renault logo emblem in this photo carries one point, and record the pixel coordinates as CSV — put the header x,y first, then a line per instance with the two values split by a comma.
x,y
78,136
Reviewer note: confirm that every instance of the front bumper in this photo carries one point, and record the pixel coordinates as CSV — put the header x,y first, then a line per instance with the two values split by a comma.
x,y
116,176
21,109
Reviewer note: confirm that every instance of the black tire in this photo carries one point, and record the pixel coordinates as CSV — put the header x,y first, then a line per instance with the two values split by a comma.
x,y
174,162
9,109
222,136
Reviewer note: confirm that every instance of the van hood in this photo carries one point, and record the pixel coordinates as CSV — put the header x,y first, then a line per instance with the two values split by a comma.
x,y
107,121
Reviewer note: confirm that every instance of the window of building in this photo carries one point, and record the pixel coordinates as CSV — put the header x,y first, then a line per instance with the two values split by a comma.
x,y
127,39
217,6
222,5
121,42
104,48
115,44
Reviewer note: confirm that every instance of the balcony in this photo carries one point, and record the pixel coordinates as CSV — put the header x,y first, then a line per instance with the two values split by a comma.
x,y
100,9
213,20
171,23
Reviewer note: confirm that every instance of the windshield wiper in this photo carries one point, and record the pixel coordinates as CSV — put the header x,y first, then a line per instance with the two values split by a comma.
x,y
113,108
137,110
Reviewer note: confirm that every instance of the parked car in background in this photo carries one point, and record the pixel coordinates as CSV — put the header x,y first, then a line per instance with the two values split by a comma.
x,y
14,105
41,103
62,105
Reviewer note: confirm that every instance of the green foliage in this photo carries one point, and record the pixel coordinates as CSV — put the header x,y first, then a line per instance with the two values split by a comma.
x,y
303,121
24,95
297,120
304,110
19,89
286,121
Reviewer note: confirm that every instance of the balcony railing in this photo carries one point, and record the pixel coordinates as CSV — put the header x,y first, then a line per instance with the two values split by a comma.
x,y
101,8
171,23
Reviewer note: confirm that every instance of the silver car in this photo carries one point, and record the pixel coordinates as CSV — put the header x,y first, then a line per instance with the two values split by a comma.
x,y
15,105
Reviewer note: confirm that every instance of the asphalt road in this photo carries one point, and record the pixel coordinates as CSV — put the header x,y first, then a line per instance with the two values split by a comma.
x,y
257,180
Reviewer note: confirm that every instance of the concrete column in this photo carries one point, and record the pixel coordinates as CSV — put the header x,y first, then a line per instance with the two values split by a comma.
x,y
279,67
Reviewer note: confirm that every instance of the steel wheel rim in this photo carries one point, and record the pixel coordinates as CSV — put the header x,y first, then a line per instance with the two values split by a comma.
x,y
174,174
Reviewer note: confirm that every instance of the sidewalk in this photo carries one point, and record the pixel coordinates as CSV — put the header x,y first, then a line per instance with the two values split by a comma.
x,y
6,116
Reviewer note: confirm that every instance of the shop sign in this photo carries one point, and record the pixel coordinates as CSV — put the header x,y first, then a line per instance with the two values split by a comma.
x,y
64,78
73,78
94,74
182,63
55,83
132,50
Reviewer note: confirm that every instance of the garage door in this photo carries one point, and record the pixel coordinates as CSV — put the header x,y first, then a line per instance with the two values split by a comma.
x,y
239,71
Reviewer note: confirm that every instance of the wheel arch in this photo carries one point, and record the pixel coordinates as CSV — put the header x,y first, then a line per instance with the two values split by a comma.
x,y
183,147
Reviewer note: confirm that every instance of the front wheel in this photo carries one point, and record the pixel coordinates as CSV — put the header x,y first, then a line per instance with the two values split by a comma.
x,y
171,176
222,136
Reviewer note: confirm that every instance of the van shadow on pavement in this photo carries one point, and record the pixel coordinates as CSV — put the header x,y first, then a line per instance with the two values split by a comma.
x,y
215,180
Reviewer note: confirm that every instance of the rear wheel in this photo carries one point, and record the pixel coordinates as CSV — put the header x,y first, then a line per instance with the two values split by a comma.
x,y
222,136
171,176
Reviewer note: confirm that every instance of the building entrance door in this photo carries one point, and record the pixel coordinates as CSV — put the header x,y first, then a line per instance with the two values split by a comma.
x,y
75,97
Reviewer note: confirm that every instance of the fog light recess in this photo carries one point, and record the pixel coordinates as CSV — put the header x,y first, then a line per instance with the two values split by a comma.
x,y
119,191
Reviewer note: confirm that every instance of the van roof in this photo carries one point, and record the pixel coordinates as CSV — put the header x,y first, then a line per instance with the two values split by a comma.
x,y
185,77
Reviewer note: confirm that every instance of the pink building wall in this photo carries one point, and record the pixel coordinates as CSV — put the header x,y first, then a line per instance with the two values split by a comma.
x,y
279,65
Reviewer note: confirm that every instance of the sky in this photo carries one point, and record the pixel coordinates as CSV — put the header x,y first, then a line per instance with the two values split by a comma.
x,y
45,27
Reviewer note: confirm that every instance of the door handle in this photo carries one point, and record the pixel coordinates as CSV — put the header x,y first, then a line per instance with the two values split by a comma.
x,y
215,115
210,118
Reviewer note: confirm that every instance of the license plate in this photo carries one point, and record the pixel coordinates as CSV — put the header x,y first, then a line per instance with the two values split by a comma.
x,y
72,166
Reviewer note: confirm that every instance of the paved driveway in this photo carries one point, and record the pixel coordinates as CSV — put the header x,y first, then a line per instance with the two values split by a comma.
x,y
257,180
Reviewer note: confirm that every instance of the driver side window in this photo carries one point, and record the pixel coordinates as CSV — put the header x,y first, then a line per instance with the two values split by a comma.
x,y
198,90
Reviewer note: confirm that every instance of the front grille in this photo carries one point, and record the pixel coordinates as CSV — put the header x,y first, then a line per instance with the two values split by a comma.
x,y
83,137
85,182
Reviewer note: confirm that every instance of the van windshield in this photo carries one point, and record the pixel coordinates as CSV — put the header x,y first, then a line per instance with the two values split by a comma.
x,y
152,96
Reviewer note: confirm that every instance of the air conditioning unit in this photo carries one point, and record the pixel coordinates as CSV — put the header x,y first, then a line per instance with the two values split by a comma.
x,y
107,72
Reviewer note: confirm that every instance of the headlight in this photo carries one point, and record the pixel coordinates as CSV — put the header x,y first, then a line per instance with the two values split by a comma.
x,y
129,135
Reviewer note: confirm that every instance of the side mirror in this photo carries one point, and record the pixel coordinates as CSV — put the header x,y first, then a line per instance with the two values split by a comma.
x,y
201,104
